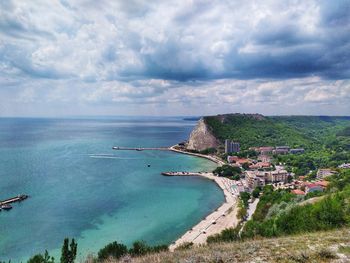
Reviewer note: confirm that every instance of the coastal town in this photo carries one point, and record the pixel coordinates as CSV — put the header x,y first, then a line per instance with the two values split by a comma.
x,y
254,172
261,170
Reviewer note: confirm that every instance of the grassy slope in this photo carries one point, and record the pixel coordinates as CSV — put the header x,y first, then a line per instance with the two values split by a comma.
x,y
295,131
316,247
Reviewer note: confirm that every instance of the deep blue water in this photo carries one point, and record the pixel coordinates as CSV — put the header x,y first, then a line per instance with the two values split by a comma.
x,y
79,187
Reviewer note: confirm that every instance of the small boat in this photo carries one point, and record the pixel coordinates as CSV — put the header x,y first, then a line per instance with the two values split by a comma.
x,y
6,207
148,165
139,149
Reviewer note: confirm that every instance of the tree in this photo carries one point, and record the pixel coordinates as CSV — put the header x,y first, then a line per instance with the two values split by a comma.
x,y
139,248
256,192
245,196
245,166
115,250
39,258
69,251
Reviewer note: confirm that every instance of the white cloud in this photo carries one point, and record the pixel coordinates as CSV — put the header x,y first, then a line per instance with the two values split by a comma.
x,y
214,56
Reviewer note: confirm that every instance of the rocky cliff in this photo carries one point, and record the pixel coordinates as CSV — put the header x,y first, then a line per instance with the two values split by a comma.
x,y
202,138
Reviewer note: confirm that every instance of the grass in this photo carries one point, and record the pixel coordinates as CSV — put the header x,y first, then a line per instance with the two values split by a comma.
x,y
326,246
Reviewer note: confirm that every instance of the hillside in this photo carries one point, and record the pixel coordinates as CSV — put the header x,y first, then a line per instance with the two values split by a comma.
x,y
258,130
331,246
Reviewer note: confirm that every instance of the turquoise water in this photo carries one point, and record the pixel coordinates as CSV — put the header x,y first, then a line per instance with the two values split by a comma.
x,y
79,187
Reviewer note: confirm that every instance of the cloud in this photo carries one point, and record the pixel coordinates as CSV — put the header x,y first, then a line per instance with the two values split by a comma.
x,y
214,53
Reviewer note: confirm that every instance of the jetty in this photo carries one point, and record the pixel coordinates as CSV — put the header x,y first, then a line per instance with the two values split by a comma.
x,y
15,199
141,148
182,173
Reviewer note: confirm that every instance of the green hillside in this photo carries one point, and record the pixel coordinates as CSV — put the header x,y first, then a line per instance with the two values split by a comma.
x,y
295,131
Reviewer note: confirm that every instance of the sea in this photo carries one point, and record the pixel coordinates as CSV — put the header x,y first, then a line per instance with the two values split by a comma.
x,y
81,188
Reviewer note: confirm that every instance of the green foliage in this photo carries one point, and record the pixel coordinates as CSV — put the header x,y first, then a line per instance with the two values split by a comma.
x,y
325,139
252,131
208,151
247,154
39,258
345,132
228,171
114,250
268,199
227,235
245,166
245,196
256,192
69,251
328,213
141,248
341,180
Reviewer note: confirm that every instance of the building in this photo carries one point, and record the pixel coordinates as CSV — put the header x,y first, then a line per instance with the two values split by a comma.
x,y
231,147
298,192
260,178
281,150
344,166
322,173
255,179
265,150
237,160
260,165
264,158
297,151
277,176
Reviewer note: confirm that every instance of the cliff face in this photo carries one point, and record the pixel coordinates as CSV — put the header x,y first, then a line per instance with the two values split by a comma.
x,y
201,137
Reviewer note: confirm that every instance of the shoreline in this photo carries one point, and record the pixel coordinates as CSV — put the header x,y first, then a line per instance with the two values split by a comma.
x,y
208,157
225,216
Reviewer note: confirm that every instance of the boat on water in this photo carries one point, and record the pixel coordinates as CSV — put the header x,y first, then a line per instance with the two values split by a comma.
x,y
6,207
139,149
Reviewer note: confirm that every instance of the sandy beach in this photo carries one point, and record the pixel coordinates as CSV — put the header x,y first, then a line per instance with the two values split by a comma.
x,y
224,217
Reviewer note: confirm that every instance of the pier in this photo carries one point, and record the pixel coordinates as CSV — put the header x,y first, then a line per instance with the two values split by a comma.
x,y
141,148
15,199
182,173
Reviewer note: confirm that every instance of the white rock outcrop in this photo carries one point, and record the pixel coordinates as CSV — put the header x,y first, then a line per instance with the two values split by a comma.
x,y
201,137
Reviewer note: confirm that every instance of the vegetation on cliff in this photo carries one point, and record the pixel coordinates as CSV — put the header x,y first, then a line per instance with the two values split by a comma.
x,y
325,139
253,130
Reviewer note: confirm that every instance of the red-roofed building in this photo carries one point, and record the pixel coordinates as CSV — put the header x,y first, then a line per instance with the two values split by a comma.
x,y
298,192
324,184
260,165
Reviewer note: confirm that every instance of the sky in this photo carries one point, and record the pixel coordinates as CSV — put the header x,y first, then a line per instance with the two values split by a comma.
x,y
205,57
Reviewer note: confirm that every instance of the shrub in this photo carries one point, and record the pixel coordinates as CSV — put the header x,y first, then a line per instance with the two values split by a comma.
x,y
114,249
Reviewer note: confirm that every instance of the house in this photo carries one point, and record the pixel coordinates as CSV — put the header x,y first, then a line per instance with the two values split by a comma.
x,y
298,192
265,150
232,159
281,150
297,151
260,165
323,184
322,173
237,160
